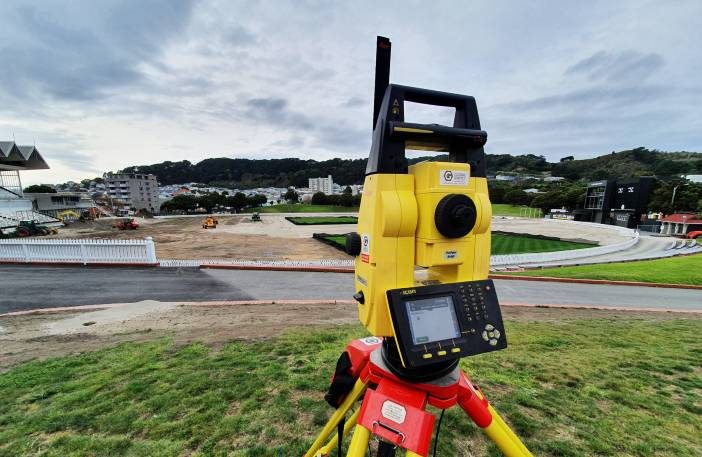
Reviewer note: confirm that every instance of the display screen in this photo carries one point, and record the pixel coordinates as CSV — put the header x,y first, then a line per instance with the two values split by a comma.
x,y
432,319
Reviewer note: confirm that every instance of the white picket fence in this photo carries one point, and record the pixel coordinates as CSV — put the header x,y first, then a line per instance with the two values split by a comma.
x,y
86,252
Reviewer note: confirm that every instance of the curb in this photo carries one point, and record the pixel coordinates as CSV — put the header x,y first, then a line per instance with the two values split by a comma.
x,y
596,281
319,269
335,302
80,264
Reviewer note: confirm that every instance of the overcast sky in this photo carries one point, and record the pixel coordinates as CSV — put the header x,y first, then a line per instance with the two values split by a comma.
x,y
100,85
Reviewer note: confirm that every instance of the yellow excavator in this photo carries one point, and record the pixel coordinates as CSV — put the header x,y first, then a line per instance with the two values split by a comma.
x,y
209,222
68,216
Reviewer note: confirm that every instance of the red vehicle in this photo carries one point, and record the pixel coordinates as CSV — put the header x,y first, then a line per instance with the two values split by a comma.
x,y
694,235
126,224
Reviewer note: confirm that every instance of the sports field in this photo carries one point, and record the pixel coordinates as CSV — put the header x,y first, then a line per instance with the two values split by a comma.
x,y
520,244
507,244
608,385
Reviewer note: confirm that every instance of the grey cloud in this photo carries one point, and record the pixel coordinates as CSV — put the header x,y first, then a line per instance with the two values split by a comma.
x,y
597,97
79,51
613,67
274,110
354,102
71,158
239,35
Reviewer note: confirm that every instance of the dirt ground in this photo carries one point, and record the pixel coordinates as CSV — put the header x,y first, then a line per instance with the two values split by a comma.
x,y
40,336
236,237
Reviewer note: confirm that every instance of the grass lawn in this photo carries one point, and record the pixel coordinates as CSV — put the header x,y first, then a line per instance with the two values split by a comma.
x,y
507,244
569,387
673,270
302,208
314,220
517,244
503,209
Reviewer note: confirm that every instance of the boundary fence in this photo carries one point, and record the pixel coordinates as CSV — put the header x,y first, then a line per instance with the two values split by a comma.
x,y
73,251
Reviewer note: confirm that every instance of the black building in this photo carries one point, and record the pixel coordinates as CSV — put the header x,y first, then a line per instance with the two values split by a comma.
x,y
618,202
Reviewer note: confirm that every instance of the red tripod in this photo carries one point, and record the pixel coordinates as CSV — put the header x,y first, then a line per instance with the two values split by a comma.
x,y
394,410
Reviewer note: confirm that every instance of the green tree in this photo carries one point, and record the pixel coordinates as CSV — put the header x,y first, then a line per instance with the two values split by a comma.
x,y
257,200
40,189
320,198
291,196
238,201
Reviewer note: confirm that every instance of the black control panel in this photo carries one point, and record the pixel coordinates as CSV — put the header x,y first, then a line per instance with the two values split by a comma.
x,y
446,321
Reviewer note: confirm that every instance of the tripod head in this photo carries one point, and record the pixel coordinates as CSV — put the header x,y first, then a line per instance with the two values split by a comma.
x,y
423,242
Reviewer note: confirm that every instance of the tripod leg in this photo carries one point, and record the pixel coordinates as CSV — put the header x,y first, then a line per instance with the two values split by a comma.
x,y
332,444
503,436
474,403
334,420
359,442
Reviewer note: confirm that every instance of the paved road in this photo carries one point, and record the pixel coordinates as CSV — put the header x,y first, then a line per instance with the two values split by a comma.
x,y
30,287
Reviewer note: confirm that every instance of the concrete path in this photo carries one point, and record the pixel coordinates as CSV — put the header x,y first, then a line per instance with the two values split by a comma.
x,y
30,287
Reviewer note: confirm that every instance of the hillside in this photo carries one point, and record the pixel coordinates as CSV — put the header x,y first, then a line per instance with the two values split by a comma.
x,y
250,173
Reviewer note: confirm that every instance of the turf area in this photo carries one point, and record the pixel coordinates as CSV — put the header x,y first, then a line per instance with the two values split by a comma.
x,y
503,209
322,220
570,387
519,244
672,270
506,244
302,208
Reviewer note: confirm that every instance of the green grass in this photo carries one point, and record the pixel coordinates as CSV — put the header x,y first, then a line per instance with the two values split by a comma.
x,y
508,244
503,209
323,220
302,208
519,244
673,270
569,387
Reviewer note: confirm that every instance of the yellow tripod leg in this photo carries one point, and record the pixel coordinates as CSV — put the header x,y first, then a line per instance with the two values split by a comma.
x,y
332,444
334,420
500,433
359,442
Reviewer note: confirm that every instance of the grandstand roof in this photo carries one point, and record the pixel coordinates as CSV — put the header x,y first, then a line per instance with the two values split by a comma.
x,y
15,157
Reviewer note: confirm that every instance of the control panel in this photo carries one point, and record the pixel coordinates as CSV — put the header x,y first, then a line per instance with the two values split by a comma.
x,y
446,321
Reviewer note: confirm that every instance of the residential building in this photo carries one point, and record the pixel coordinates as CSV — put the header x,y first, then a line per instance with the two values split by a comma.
x,y
136,191
325,185
694,178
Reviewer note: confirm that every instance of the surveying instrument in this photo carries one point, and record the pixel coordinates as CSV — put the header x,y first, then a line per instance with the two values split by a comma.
x,y
422,254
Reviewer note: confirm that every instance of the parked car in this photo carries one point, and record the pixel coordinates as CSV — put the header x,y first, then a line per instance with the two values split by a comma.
x,y
695,234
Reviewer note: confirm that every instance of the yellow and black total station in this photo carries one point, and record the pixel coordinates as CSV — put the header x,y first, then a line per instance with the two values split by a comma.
x,y
422,253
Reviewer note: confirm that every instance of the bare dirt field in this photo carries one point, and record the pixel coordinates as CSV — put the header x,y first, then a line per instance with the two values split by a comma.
x,y
274,238
236,237
44,335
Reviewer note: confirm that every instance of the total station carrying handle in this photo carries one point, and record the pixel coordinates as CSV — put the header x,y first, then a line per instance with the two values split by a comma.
x,y
392,135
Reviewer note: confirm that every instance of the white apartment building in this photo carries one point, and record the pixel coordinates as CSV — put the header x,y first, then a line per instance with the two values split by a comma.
x,y
137,191
325,185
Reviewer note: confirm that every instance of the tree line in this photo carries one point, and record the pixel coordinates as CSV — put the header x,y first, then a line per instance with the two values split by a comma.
x,y
292,172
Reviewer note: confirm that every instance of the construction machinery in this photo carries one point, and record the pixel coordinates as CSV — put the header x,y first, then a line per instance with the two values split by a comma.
x,y
126,224
68,216
31,228
209,222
